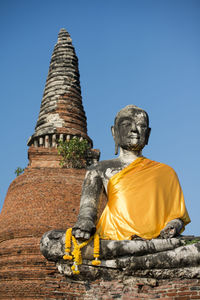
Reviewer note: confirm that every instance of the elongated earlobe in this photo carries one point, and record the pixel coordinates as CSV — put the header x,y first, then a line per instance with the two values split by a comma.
x,y
115,137
116,148
147,135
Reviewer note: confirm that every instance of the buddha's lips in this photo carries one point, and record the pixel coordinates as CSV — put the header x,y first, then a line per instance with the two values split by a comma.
x,y
133,136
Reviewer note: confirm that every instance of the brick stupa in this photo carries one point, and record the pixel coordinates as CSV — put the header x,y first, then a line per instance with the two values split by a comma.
x,y
45,196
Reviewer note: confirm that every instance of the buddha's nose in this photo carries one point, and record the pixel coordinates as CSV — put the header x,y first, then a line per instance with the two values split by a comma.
x,y
133,127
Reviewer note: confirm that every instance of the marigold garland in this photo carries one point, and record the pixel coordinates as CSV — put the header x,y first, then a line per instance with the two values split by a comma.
x,y
77,257
68,238
96,262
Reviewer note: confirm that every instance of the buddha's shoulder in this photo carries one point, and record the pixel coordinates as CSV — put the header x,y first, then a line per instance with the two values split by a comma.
x,y
103,165
161,165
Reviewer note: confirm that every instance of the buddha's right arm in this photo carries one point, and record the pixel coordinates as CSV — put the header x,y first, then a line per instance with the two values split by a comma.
x,y
92,187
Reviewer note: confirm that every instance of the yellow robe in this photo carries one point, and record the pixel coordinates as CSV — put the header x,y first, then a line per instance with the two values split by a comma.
x,y
142,199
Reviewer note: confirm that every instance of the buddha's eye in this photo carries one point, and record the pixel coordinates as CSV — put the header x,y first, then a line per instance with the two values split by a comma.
x,y
125,123
141,125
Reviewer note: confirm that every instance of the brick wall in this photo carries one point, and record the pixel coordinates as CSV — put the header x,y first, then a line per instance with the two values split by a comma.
x,y
39,200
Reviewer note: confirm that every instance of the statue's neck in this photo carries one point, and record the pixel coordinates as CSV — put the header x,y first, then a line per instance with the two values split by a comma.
x,y
127,156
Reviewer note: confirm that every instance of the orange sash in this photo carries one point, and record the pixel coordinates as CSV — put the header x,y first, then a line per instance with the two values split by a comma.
x,y
142,199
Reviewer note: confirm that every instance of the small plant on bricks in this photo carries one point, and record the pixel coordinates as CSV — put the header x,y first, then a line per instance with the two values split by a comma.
x,y
73,153
19,171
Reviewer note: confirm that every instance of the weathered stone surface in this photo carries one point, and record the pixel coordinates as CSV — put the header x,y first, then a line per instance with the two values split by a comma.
x,y
52,246
157,258
184,256
107,272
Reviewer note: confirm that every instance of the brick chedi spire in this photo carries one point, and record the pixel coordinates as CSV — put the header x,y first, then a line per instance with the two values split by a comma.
x,y
45,196
61,114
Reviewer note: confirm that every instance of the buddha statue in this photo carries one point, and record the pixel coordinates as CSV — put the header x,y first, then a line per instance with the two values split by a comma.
x,y
145,213
144,197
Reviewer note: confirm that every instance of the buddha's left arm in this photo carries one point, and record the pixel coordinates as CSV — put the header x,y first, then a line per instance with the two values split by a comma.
x,y
173,228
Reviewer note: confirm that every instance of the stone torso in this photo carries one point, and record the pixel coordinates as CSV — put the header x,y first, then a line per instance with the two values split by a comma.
x,y
108,168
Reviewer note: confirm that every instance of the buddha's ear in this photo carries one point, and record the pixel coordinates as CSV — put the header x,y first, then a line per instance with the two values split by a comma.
x,y
113,131
147,135
115,136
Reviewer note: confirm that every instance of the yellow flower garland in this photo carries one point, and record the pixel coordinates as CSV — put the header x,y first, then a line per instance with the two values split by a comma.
x,y
96,262
68,244
77,250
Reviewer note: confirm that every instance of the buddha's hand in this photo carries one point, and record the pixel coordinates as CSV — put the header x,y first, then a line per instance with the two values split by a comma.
x,y
173,228
83,229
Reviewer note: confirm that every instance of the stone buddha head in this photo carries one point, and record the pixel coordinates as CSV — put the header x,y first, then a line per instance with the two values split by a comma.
x,y
131,129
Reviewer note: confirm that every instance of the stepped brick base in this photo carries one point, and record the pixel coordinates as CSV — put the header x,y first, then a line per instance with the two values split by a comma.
x,y
25,274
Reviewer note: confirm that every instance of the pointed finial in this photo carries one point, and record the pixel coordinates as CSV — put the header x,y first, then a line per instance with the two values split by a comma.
x,y
64,36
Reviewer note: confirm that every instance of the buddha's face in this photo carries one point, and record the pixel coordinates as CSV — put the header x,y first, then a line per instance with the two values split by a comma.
x,y
132,130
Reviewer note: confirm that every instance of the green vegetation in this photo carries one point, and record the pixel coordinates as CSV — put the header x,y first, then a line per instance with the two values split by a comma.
x,y
19,171
190,242
73,153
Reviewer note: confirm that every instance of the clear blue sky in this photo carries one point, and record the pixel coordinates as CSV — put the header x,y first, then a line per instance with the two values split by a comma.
x,y
142,52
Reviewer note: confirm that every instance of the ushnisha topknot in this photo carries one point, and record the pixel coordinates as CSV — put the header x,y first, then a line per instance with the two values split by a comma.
x,y
128,109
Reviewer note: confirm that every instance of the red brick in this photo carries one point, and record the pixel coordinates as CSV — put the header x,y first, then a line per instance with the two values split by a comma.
x,y
171,294
181,298
184,293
